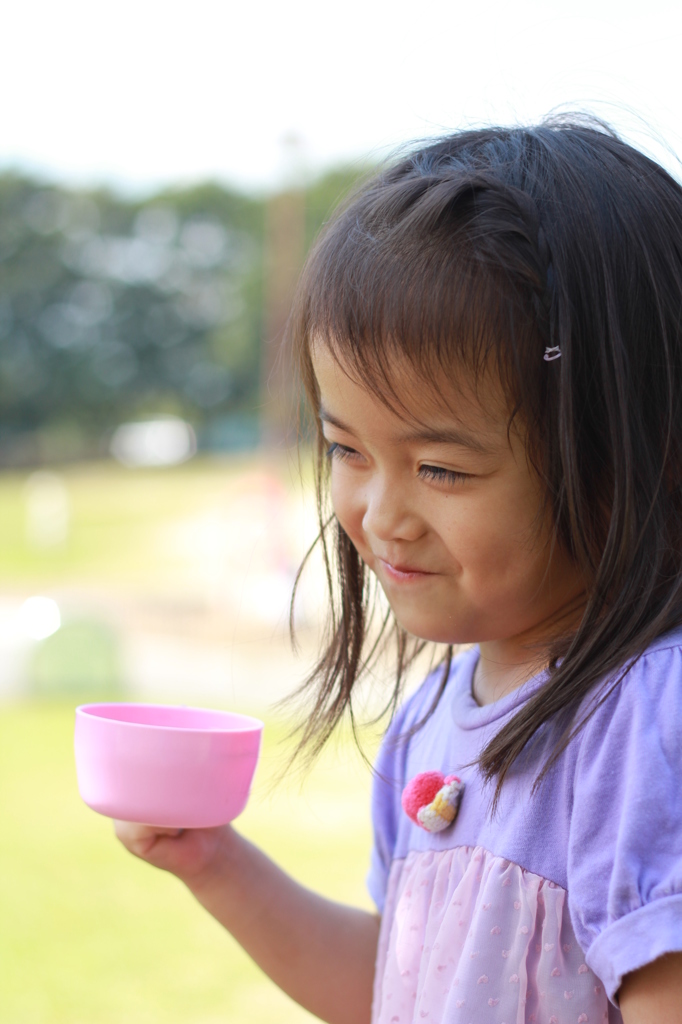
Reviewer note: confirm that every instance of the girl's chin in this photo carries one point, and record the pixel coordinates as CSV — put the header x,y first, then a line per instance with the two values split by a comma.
x,y
434,633
458,630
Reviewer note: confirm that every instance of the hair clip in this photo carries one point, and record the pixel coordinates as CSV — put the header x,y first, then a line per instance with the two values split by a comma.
x,y
552,353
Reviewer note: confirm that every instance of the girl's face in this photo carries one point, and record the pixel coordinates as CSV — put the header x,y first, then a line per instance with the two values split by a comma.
x,y
445,509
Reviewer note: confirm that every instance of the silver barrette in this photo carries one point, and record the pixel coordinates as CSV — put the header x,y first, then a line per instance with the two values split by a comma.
x,y
552,354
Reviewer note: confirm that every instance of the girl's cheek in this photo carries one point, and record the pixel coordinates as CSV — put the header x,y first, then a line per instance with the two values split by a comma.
x,y
346,502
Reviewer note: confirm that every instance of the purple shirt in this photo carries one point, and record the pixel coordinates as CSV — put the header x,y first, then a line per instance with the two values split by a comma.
x,y
603,836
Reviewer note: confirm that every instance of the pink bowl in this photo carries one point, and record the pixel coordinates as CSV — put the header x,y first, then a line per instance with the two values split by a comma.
x,y
174,767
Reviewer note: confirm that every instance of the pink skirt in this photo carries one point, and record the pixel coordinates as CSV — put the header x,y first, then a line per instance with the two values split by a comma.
x,y
470,938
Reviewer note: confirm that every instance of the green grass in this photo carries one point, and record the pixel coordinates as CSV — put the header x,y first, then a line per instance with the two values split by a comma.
x,y
89,935
117,518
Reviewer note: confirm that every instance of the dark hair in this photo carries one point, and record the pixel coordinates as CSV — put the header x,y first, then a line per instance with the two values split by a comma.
x,y
487,247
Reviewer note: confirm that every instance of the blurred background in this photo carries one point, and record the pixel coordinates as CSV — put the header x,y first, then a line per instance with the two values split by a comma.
x,y
163,171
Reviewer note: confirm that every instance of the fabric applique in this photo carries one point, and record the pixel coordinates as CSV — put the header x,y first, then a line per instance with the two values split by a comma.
x,y
431,800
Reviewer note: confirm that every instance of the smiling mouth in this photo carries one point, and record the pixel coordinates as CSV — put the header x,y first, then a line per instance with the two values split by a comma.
x,y
403,572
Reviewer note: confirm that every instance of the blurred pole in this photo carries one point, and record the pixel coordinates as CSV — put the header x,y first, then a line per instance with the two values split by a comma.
x,y
48,511
284,255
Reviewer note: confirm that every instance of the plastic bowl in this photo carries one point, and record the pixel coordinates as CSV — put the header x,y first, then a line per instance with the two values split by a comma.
x,y
167,766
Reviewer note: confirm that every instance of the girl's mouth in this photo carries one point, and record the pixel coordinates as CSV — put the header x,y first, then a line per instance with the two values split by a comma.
x,y
403,573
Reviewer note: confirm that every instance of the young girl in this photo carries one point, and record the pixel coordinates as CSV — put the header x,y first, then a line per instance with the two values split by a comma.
x,y
490,336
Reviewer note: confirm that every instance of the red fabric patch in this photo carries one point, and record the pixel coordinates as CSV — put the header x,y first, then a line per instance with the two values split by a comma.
x,y
420,792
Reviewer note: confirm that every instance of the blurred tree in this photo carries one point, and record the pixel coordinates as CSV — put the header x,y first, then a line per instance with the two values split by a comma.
x,y
112,309
324,194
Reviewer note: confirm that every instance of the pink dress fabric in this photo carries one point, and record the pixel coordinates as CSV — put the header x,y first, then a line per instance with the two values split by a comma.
x,y
472,938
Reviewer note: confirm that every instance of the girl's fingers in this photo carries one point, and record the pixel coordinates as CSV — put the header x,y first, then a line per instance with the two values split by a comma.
x,y
143,831
140,839
184,852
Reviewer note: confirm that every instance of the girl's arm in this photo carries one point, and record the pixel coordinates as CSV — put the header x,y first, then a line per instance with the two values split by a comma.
x,y
654,993
319,952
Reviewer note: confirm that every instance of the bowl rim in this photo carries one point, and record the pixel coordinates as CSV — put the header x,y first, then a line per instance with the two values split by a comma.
x,y
88,711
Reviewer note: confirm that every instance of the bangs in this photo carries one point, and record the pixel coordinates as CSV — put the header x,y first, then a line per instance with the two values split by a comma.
x,y
413,282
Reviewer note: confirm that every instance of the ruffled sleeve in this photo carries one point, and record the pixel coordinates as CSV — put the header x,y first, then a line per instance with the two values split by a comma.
x,y
625,843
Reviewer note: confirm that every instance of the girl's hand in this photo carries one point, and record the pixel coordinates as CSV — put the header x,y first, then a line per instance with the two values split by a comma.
x,y
320,952
191,854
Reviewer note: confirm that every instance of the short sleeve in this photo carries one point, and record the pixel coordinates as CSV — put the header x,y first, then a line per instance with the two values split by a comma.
x,y
389,782
625,844
389,772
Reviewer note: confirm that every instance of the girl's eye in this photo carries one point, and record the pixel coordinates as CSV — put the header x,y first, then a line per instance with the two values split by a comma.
x,y
443,476
340,451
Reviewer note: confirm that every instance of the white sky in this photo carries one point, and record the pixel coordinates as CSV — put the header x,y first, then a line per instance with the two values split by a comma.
x,y
139,93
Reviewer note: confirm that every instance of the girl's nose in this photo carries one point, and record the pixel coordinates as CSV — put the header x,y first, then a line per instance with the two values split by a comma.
x,y
388,514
